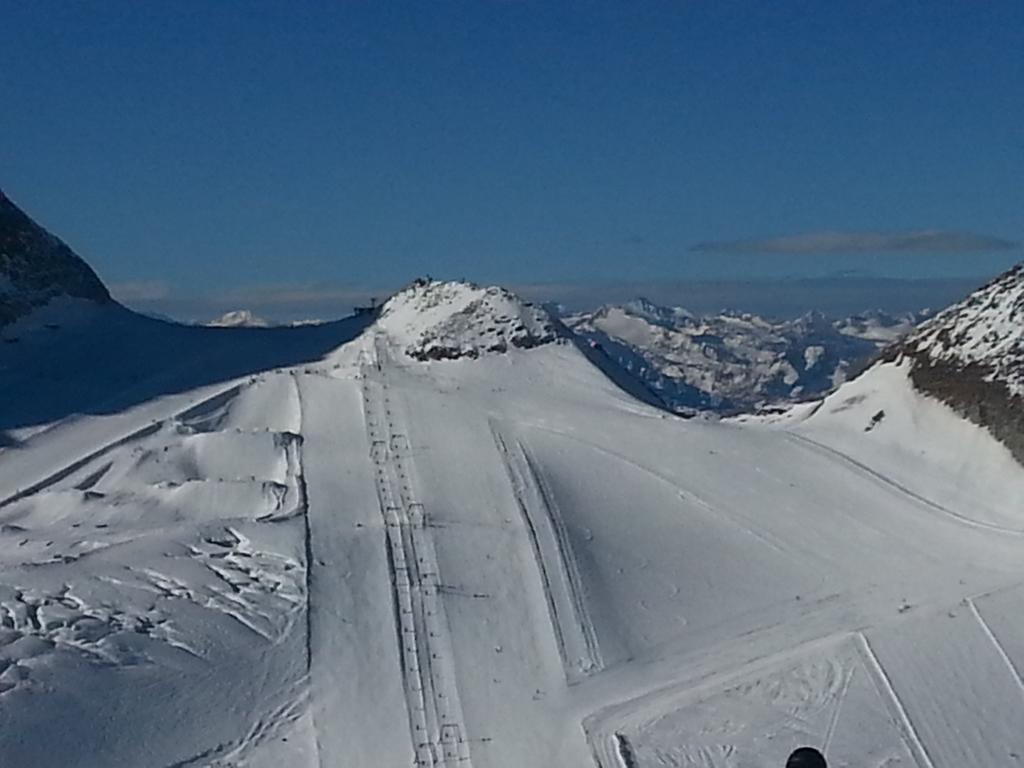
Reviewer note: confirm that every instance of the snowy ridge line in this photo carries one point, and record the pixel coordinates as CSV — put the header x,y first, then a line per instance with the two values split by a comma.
x,y
152,428
260,732
549,540
888,481
428,670
888,692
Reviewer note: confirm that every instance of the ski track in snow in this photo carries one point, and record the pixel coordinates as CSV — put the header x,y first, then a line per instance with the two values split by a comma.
x,y
570,618
883,479
218,568
1000,649
438,733
885,685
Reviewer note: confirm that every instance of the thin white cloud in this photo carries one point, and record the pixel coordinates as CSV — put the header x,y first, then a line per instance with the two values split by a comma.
x,y
918,241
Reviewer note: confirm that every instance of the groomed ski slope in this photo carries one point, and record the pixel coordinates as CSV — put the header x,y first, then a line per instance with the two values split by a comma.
x,y
504,561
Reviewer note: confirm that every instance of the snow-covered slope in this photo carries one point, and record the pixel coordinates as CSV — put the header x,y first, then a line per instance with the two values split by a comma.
x,y
435,320
36,267
940,413
496,560
433,538
733,363
986,330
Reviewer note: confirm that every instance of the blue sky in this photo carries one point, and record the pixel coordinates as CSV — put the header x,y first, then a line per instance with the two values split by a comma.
x,y
230,149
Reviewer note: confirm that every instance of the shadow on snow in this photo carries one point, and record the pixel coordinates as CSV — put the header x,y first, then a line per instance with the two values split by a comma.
x,y
114,359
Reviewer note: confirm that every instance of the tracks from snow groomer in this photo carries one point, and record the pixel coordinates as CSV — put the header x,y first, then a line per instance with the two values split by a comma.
x,y
552,551
428,668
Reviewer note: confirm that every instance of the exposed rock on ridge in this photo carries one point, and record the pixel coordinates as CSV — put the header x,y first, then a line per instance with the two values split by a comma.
x,y
971,357
434,320
36,267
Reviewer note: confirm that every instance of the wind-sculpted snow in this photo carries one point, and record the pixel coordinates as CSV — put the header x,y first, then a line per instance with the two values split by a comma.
x,y
165,551
384,557
446,320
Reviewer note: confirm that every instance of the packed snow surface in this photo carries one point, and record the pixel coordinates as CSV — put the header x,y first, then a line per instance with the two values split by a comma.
x,y
307,547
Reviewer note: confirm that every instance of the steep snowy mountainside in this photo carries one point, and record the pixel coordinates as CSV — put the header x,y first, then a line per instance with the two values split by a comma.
x,y
733,363
985,329
881,326
971,357
36,267
435,320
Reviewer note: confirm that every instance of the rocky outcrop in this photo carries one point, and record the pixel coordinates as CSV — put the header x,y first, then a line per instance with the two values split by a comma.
x,y
36,267
434,320
971,357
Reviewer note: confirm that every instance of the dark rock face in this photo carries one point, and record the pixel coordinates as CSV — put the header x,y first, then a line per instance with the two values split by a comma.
x,y
971,357
971,394
35,267
454,320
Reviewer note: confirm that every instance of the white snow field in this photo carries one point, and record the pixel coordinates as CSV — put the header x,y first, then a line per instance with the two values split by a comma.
x,y
307,547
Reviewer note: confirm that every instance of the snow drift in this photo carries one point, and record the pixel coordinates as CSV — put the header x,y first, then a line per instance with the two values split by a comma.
x,y
442,538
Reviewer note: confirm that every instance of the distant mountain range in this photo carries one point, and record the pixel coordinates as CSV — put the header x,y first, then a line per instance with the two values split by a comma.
x,y
448,531
737,362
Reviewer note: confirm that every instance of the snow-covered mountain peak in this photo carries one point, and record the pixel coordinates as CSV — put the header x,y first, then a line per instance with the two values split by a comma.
x,y
985,331
436,320
655,313
36,267
239,318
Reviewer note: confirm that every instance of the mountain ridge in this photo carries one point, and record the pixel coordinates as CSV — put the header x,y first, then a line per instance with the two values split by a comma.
x,y
971,357
36,267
